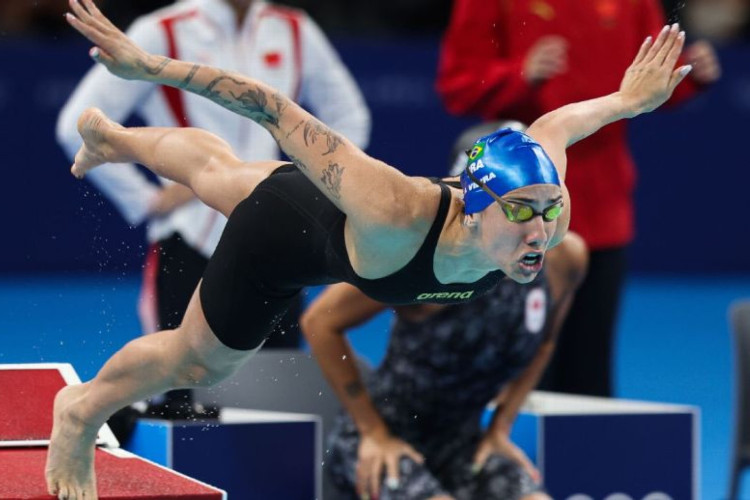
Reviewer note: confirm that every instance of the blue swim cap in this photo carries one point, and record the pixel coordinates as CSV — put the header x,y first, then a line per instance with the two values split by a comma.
x,y
504,160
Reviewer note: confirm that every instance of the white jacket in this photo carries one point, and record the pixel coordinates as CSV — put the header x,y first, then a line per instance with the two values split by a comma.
x,y
277,45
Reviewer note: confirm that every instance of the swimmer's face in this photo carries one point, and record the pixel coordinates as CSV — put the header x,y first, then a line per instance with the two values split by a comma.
x,y
518,248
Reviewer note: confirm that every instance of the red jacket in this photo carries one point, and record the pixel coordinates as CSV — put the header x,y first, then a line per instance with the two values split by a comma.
x,y
480,73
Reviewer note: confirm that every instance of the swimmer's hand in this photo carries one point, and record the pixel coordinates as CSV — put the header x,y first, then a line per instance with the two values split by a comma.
x,y
499,443
118,53
652,77
381,452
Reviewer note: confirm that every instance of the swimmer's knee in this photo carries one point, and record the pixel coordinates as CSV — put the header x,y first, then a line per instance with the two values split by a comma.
x,y
196,372
205,365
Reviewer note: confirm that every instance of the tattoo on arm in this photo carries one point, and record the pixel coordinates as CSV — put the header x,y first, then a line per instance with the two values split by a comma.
x,y
314,130
282,102
184,83
255,102
215,95
294,129
354,389
331,179
248,100
297,162
155,70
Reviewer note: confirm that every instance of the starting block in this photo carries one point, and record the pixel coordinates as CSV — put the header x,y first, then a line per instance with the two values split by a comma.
x,y
26,398
599,448
249,453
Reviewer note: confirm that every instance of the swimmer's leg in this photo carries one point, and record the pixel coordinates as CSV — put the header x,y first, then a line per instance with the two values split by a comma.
x,y
189,356
193,157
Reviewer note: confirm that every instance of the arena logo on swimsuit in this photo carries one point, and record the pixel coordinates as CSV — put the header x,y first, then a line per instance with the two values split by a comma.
x,y
446,295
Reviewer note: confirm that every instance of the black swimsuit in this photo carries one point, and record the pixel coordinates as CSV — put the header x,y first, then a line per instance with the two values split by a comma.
x,y
287,235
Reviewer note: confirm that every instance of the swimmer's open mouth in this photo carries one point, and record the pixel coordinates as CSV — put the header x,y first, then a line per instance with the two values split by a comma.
x,y
532,261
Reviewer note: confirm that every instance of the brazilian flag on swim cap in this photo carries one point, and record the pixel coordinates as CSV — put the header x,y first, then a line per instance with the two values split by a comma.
x,y
476,152
504,161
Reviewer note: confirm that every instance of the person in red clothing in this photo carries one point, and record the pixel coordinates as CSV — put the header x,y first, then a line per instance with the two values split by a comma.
x,y
505,59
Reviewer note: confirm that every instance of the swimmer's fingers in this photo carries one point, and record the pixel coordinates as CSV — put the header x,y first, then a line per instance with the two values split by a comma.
x,y
674,52
364,468
678,75
90,22
114,49
81,13
375,477
653,51
100,19
83,28
392,465
391,472
673,36
643,50
96,13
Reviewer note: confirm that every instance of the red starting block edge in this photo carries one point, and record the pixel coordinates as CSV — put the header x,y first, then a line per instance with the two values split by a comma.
x,y
26,406
26,400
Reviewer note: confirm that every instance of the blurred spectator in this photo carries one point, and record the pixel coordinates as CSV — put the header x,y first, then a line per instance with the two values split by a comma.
x,y
416,419
720,21
520,59
278,45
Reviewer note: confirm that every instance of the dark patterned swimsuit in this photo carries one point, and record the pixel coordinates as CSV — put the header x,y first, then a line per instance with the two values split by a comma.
x,y
433,385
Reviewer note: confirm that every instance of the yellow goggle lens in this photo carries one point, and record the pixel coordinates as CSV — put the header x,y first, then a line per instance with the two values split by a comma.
x,y
552,212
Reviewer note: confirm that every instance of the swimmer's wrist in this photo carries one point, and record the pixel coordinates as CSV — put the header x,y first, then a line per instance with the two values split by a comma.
x,y
374,430
626,106
621,106
149,64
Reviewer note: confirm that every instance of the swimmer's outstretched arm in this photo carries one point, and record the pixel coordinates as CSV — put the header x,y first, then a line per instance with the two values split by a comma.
x,y
647,84
370,192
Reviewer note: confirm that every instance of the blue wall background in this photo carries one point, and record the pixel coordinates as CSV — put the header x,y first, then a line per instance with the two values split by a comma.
x,y
692,195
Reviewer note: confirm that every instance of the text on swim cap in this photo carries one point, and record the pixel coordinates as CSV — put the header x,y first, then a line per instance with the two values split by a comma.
x,y
476,165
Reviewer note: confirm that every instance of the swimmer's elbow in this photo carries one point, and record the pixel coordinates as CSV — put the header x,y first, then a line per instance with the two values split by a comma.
x,y
315,325
549,130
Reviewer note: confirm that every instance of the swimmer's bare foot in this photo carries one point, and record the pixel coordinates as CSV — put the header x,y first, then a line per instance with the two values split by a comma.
x,y
94,126
70,458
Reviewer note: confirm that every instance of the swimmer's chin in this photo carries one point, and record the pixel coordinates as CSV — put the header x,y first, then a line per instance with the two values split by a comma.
x,y
523,276
523,279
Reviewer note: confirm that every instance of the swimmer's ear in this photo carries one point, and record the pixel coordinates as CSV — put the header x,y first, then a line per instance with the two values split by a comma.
x,y
469,221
